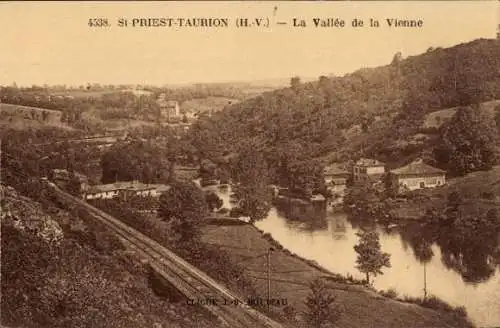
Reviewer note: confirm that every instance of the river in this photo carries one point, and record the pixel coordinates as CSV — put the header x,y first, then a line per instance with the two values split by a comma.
x,y
462,277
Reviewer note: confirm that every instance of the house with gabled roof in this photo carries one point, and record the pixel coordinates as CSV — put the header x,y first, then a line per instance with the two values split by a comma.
x,y
417,175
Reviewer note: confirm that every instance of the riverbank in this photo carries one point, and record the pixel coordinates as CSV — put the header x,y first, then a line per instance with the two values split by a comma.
x,y
478,190
291,276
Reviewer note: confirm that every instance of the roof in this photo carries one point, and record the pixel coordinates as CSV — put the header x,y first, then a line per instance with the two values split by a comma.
x,y
167,103
417,167
339,181
334,169
127,185
369,162
160,187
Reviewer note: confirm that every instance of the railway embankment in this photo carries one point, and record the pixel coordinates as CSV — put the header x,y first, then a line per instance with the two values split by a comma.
x,y
61,270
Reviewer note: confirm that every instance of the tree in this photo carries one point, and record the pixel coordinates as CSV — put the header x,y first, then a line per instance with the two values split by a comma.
x,y
208,169
320,308
183,206
251,188
366,201
213,201
136,160
452,210
370,259
497,117
74,185
306,177
397,58
468,141
295,82
423,253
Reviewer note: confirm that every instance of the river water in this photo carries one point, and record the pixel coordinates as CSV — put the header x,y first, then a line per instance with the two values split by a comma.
x,y
461,277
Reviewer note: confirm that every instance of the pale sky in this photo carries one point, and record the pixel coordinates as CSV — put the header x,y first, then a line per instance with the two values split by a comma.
x,y
52,43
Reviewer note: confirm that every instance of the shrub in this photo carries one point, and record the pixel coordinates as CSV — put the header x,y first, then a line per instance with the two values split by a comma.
x,y
487,195
236,212
223,211
390,293
321,307
433,302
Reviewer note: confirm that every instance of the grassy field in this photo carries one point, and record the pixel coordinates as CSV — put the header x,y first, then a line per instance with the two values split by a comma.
x,y
206,104
290,277
435,119
83,93
22,117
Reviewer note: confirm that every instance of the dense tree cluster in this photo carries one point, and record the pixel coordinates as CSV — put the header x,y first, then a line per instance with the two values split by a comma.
x,y
32,153
251,179
469,141
367,201
184,208
136,160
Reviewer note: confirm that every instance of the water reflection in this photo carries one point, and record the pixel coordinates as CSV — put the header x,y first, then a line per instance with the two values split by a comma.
x,y
304,216
425,259
460,267
471,256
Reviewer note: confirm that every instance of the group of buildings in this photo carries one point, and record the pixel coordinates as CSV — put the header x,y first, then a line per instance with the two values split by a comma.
x,y
415,175
124,190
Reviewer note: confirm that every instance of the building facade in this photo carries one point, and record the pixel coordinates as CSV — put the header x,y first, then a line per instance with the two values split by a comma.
x,y
336,181
367,168
417,175
168,108
125,190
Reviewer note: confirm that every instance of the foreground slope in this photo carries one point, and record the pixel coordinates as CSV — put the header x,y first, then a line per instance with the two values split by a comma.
x,y
360,306
59,271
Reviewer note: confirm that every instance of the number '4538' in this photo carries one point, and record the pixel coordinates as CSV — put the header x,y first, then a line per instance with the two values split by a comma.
x,y
98,22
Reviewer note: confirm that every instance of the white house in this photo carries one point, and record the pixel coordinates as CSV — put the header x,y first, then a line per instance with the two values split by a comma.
x,y
125,190
417,175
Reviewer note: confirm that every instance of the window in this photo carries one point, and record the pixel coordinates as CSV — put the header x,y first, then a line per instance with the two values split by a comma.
x,y
422,184
432,181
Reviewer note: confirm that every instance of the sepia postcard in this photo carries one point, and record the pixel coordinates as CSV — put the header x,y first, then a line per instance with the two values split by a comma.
x,y
241,164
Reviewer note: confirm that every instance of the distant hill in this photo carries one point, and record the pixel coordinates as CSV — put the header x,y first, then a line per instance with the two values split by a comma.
x,y
359,112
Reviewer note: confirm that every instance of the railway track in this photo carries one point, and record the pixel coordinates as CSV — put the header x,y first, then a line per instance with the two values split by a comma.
x,y
193,283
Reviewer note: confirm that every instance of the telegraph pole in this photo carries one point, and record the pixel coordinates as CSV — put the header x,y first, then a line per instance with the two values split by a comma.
x,y
269,277
425,282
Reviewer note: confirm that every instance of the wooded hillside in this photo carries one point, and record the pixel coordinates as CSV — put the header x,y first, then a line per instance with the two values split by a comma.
x,y
371,112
